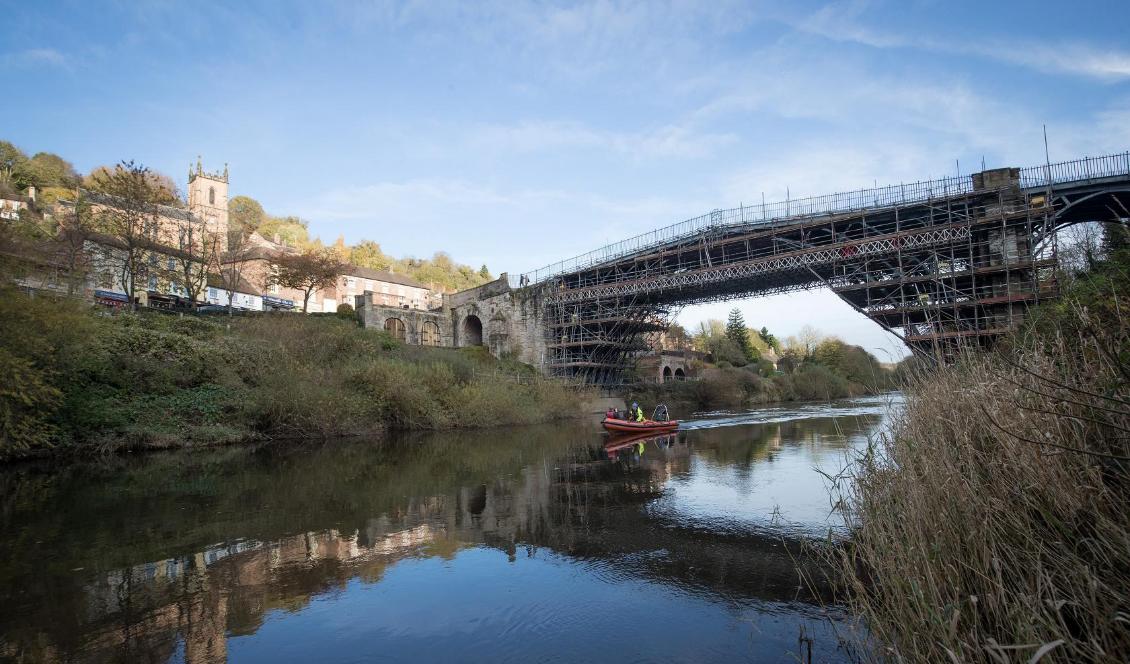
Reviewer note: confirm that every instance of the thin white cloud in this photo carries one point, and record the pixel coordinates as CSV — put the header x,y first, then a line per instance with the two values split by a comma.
x,y
841,22
667,141
36,57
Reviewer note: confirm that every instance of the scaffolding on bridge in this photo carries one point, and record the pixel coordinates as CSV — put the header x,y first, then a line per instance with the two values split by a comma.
x,y
940,264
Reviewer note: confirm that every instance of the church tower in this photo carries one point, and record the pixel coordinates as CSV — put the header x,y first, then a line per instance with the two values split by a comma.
x,y
208,200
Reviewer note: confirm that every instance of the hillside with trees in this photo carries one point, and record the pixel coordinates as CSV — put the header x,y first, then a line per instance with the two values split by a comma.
x,y
740,370
55,178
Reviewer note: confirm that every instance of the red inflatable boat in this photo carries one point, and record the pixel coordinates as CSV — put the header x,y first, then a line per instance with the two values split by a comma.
x,y
614,425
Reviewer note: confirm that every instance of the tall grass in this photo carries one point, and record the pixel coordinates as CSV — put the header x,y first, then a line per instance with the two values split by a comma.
x,y
76,378
992,522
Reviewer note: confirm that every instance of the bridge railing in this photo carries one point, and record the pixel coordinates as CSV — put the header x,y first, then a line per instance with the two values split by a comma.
x,y
1088,168
1078,170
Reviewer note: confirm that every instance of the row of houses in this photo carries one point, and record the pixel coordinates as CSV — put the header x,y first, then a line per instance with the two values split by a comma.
x,y
165,256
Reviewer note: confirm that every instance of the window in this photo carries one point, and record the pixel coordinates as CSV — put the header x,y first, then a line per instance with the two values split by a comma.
x,y
172,264
211,195
152,283
152,260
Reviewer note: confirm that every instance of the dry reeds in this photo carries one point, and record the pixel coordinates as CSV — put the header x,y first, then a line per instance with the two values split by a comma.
x,y
992,521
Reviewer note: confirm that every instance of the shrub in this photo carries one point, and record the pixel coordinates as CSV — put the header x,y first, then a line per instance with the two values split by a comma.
x,y
27,401
813,382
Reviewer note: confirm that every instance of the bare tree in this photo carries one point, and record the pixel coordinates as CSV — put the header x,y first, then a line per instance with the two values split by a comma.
x,y
199,253
130,217
75,227
309,271
809,338
233,263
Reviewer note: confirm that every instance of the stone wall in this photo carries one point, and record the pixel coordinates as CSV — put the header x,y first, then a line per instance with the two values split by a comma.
x,y
377,315
511,320
506,321
667,365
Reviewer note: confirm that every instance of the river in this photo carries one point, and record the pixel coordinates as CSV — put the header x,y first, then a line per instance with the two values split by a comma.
x,y
533,544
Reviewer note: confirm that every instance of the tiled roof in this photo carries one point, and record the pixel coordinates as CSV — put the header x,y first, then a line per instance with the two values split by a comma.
x,y
110,240
111,201
382,275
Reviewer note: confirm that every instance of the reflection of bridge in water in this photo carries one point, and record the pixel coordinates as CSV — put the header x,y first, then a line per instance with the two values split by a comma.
x,y
938,263
584,505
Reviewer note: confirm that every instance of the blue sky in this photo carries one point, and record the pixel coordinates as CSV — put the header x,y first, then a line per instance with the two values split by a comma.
x,y
516,134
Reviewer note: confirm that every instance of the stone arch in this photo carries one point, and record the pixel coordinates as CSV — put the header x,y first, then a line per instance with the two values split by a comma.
x,y
397,329
472,331
429,334
680,374
666,374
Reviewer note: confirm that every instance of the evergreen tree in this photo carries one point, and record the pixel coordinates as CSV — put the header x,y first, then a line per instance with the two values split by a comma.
x,y
736,332
769,339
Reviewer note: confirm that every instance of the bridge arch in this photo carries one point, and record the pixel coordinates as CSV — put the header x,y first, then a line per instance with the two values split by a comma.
x,y
680,374
1094,206
471,331
667,374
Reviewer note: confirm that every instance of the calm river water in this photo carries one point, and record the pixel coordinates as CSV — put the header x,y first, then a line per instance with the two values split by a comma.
x,y
536,544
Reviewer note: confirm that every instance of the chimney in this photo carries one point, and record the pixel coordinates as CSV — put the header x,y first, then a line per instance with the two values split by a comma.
x,y
31,193
278,239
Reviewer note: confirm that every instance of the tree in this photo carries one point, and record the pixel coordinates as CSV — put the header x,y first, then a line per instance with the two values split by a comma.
x,y
367,253
50,170
708,330
808,339
291,231
737,334
232,265
484,273
130,217
769,339
163,189
312,270
340,249
75,225
199,252
245,215
12,160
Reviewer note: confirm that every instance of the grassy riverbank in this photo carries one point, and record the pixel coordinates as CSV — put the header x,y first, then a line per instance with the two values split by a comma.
x,y
73,379
991,523
841,371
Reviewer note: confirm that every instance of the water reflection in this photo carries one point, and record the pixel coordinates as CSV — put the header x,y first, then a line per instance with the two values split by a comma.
x,y
540,543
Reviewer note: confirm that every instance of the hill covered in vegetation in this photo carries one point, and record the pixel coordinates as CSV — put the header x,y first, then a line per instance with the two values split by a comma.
x,y
55,178
75,379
